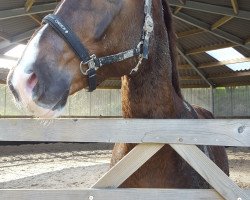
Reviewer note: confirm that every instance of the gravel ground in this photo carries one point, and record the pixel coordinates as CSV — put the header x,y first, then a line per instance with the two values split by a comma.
x,y
75,166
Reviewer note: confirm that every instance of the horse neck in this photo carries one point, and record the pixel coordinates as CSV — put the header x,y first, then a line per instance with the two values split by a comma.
x,y
150,93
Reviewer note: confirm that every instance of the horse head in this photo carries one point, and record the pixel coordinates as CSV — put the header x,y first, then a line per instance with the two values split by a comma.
x,y
49,70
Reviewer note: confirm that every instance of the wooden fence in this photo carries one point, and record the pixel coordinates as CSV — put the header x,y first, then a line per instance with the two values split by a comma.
x,y
151,135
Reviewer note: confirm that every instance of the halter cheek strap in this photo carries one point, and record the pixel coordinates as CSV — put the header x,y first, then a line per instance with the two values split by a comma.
x,y
90,63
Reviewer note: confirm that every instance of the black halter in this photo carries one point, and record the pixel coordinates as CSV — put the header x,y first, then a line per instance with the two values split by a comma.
x,y
91,61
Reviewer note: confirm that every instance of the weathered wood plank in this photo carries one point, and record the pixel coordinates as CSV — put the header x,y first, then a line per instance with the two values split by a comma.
x,y
111,194
213,132
128,165
29,4
235,6
190,32
210,172
221,22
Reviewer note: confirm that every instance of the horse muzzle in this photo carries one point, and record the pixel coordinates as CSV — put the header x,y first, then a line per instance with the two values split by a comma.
x,y
40,91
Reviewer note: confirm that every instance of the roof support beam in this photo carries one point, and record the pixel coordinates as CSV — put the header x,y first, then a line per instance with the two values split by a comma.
x,y
184,85
192,86
194,66
4,36
221,63
37,19
184,66
247,41
193,5
22,36
17,39
230,75
220,76
17,12
235,6
29,4
190,33
216,64
209,48
188,78
221,22
217,32
183,1
177,9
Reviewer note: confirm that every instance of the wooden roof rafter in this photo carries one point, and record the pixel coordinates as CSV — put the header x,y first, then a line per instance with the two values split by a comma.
x,y
235,6
230,75
178,8
194,66
215,9
226,18
35,17
203,49
18,12
217,76
190,32
216,64
226,62
16,39
221,22
217,32
29,4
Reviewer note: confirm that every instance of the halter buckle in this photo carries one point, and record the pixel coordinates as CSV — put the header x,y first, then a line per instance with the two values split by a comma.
x,y
86,66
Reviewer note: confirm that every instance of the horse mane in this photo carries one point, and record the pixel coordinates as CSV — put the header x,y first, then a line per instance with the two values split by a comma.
x,y
172,46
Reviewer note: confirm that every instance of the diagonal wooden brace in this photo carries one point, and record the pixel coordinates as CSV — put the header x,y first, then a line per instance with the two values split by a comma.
x,y
128,165
191,153
210,172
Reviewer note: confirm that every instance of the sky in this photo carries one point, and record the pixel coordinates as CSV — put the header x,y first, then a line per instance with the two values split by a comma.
x,y
220,55
229,54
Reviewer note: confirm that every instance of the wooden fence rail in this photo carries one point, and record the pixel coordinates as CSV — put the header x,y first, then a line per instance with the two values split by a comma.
x,y
224,132
111,194
151,136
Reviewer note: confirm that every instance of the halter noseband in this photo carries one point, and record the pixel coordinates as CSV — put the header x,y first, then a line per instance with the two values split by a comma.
x,y
92,62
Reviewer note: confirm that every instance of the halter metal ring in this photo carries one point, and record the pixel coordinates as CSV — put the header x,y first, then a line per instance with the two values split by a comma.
x,y
90,63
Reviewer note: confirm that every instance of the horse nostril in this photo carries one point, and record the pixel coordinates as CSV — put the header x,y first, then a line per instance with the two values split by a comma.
x,y
32,81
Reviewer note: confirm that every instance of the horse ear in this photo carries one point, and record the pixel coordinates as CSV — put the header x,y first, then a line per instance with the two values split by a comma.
x,y
183,1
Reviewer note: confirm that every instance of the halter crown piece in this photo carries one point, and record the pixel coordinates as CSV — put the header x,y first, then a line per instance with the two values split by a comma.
x,y
92,62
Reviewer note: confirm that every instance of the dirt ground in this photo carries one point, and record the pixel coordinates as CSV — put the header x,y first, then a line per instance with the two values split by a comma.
x,y
75,166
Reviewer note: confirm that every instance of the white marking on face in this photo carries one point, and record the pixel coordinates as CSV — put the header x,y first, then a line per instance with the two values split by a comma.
x,y
28,59
20,78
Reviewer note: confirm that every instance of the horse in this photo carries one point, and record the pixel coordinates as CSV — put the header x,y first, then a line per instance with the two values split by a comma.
x,y
86,42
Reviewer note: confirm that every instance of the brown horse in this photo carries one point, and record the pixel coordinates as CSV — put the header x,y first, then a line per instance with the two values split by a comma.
x,y
49,71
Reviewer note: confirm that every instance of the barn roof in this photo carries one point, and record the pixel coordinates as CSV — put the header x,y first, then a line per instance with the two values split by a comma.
x,y
201,26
